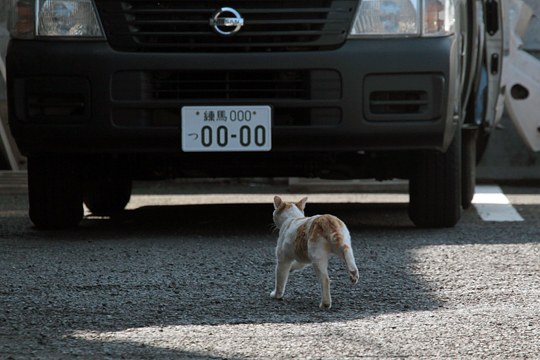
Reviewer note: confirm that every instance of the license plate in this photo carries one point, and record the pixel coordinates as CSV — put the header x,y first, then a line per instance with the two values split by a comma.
x,y
226,128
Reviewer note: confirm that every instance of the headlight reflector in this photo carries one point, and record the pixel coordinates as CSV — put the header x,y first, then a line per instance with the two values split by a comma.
x,y
386,17
67,18
71,19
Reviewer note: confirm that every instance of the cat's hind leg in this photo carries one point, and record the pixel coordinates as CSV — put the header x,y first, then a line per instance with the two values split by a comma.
x,y
297,265
321,269
348,256
282,274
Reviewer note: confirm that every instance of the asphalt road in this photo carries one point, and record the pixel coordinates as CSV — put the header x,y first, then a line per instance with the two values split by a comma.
x,y
182,274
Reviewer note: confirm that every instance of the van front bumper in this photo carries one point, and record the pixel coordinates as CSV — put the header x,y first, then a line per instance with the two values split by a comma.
x,y
368,95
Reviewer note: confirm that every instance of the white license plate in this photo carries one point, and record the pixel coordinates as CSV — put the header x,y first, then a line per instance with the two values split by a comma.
x,y
226,128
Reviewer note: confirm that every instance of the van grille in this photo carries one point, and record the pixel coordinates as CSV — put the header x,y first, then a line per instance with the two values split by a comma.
x,y
184,25
298,97
227,85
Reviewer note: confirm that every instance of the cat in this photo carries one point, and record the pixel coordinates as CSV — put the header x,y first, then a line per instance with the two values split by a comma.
x,y
309,240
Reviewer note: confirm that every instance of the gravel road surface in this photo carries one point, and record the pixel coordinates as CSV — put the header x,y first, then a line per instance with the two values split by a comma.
x,y
182,274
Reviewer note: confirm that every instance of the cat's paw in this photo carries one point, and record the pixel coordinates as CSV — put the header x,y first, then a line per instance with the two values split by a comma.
x,y
325,306
273,295
354,276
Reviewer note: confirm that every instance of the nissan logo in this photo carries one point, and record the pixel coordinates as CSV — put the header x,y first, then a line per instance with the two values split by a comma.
x,y
226,21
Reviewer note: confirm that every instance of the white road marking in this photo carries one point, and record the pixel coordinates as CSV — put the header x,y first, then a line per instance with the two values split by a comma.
x,y
492,205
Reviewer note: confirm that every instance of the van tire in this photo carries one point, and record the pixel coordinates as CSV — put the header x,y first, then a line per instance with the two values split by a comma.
x,y
435,187
54,192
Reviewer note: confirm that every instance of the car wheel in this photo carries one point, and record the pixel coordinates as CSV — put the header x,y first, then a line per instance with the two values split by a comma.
x,y
107,194
435,187
54,192
468,173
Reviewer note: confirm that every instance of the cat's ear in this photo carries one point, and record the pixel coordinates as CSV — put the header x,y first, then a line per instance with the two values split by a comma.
x,y
302,204
277,202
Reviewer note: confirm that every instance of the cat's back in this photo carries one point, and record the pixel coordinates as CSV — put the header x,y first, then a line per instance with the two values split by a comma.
x,y
311,228
328,223
315,225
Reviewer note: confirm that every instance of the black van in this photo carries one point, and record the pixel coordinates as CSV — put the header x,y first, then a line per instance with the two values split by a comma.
x,y
104,92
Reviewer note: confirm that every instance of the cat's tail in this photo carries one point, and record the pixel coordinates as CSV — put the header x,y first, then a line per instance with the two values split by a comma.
x,y
331,228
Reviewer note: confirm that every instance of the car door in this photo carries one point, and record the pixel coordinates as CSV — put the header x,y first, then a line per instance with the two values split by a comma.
x,y
521,75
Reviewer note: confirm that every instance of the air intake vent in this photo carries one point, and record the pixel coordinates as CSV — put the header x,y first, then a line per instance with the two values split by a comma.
x,y
56,106
53,100
186,26
403,97
398,102
230,85
267,85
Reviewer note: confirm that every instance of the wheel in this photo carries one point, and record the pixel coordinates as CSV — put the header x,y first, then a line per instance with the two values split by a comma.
x,y
468,172
107,188
435,187
54,192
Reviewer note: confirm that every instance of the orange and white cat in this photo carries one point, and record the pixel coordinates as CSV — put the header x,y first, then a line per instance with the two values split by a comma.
x,y
309,240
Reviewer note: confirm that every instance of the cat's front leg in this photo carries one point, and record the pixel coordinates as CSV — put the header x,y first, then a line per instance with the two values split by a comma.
x,y
282,274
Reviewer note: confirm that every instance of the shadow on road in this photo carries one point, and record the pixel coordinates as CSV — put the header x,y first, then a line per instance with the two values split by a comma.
x,y
160,266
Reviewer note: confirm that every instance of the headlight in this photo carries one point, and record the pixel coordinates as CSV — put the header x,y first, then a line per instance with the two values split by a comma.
x,y
387,17
55,18
67,18
404,18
